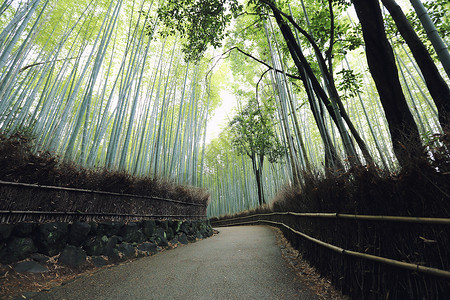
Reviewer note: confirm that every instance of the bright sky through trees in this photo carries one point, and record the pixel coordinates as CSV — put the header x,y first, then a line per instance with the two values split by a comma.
x,y
221,116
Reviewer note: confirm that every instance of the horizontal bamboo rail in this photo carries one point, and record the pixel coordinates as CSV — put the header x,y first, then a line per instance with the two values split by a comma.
x,y
388,261
420,220
67,189
71,213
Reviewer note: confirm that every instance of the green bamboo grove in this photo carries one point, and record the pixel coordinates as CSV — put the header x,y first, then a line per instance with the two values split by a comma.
x,y
96,86
117,85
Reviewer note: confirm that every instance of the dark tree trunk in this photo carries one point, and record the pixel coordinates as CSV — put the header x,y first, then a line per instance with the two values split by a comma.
x,y
258,183
306,72
328,76
303,66
258,174
262,200
381,60
436,84
361,144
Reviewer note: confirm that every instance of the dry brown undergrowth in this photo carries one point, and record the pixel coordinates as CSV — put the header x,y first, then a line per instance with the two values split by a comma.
x,y
307,274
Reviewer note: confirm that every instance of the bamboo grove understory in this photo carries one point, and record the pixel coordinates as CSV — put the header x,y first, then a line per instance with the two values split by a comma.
x,y
96,83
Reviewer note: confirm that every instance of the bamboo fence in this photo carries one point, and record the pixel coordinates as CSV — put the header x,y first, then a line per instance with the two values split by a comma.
x,y
383,260
7,216
59,188
419,220
129,206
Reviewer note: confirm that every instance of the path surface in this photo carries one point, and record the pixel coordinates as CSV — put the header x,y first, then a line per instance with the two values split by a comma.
x,y
238,263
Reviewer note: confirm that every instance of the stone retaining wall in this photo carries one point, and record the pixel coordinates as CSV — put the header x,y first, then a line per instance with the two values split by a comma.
x,y
100,243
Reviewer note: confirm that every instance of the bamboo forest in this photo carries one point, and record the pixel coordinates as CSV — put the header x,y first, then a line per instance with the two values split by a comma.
x,y
132,85
222,109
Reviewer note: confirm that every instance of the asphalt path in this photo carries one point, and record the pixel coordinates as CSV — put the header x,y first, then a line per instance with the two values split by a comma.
x,y
241,262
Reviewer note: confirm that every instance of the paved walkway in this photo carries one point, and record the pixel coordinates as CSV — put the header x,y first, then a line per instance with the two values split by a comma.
x,y
239,263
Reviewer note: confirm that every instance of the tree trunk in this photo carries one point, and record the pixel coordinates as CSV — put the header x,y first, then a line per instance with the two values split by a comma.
x,y
438,44
262,200
258,173
303,67
331,158
436,84
302,64
384,71
335,99
258,183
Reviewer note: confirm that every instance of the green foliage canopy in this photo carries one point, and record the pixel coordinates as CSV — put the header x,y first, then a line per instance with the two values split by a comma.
x,y
253,132
199,22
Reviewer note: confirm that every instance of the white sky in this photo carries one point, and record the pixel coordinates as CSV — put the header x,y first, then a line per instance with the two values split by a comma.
x,y
221,115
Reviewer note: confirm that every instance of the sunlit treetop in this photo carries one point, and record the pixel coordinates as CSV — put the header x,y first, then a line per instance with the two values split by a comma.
x,y
200,23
